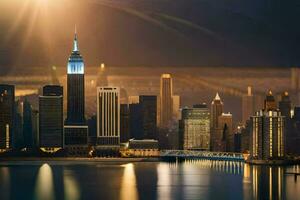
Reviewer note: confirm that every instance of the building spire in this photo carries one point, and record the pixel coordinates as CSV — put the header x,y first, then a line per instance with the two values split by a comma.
x,y
75,48
217,97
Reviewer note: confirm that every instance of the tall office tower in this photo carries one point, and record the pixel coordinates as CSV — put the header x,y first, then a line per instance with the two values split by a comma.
x,y
51,133
267,135
75,88
75,129
226,136
148,114
293,147
270,103
35,127
7,109
124,123
166,94
247,106
135,121
27,124
285,105
108,116
176,107
215,111
194,128
18,138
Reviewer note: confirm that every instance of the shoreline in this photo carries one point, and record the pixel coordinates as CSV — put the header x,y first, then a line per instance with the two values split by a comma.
x,y
70,160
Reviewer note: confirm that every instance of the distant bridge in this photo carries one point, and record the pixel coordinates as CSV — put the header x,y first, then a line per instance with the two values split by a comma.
x,y
188,154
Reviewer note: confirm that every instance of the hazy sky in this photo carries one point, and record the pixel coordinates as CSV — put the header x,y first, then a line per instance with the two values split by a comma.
x,y
149,32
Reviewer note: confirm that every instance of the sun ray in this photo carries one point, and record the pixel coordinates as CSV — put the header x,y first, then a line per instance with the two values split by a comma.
x,y
17,21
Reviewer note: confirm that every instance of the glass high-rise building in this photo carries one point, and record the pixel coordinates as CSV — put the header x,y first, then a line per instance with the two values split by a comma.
x,y
195,128
7,102
267,133
51,118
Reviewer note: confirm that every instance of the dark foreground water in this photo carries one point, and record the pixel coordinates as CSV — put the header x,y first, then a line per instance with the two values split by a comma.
x,y
146,180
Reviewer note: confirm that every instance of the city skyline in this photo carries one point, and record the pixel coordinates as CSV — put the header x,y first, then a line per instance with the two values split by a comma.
x,y
154,100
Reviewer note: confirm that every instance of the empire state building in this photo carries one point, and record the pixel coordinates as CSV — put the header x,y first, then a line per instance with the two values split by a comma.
x,y
75,129
75,87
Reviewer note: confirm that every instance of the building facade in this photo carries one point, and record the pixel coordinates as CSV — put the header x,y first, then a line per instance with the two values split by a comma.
x,y
76,129
149,116
7,110
267,135
215,111
194,128
166,101
51,126
108,116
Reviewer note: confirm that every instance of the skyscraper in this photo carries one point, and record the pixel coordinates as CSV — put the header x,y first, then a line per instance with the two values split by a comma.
x,y
215,111
285,107
226,136
166,93
124,123
267,135
27,124
75,88
7,109
149,116
270,103
75,129
247,105
108,117
51,118
194,128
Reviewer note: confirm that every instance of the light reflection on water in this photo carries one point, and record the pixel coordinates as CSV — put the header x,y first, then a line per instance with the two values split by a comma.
x,y
44,184
191,179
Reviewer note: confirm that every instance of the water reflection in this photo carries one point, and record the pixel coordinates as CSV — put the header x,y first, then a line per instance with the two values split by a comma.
x,y
190,179
164,181
44,188
267,182
72,190
4,182
129,187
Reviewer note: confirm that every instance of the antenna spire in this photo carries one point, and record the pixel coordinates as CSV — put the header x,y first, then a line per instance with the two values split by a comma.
x,y
75,48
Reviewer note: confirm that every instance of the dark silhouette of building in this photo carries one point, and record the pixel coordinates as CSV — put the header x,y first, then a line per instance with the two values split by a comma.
x,y
135,121
285,107
18,138
92,124
124,123
149,116
7,110
27,125
51,118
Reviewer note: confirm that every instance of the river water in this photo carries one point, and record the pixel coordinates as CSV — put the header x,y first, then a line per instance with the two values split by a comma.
x,y
201,179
